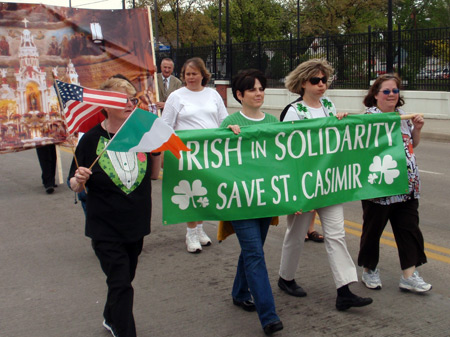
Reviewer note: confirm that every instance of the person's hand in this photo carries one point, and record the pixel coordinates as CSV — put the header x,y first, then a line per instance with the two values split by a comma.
x,y
235,128
341,115
82,174
300,212
160,105
418,122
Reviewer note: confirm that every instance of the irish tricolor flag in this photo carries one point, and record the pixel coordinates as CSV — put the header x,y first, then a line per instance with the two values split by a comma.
x,y
145,132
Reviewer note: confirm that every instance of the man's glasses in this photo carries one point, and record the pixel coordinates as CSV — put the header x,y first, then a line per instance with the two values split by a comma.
x,y
387,91
316,80
133,100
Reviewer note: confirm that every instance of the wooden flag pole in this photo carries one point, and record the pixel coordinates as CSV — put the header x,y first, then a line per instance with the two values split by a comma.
x,y
411,116
58,164
152,43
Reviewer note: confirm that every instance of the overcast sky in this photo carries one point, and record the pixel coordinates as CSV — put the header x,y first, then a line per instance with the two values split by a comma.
x,y
88,4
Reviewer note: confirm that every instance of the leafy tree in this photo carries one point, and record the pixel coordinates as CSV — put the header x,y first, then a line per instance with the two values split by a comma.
x,y
413,14
194,27
253,19
340,16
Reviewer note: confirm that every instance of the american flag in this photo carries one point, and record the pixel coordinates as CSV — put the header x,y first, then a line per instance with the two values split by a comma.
x,y
81,103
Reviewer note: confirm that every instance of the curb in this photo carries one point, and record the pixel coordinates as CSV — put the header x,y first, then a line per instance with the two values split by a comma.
x,y
436,137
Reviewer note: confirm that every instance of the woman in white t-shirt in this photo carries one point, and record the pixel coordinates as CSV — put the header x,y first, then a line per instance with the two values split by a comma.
x,y
310,80
195,107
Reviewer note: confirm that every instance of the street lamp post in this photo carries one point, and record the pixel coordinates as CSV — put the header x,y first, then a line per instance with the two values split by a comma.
x,y
298,19
178,28
155,10
390,48
220,22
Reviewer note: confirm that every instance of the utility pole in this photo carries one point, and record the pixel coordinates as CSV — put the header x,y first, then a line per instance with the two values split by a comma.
x,y
390,47
220,22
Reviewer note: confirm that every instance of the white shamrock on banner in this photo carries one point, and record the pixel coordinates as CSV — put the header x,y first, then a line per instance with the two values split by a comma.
x,y
387,169
184,194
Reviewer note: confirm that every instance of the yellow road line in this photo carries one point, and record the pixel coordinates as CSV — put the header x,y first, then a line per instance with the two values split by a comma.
x,y
385,239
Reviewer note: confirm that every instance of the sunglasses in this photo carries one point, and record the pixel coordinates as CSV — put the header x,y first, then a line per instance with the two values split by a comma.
x,y
387,91
316,80
133,100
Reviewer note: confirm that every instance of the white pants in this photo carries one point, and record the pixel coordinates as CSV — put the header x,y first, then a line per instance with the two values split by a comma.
x,y
341,263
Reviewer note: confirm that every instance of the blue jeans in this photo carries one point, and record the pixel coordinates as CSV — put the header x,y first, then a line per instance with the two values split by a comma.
x,y
251,276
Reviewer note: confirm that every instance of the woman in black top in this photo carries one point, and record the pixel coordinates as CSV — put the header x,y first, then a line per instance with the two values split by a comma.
x,y
118,208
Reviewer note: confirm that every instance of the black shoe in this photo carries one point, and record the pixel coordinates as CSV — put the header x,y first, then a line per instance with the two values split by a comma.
x,y
273,327
49,190
108,326
246,305
292,288
344,303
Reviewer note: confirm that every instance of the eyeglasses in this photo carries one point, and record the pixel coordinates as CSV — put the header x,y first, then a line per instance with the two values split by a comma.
x,y
133,100
387,91
316,80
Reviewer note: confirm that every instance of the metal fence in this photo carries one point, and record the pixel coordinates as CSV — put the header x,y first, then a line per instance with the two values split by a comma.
x,y
420,56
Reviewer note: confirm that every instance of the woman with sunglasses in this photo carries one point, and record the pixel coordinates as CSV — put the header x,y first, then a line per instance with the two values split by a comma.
x,y
118,206
310,80
400,210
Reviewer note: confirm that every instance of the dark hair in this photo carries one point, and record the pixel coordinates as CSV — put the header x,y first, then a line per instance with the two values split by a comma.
x,y
245,80
370,100
197,63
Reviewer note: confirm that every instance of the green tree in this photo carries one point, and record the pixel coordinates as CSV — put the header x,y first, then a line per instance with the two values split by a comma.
x,y
413,14
194,27
341,16
253,19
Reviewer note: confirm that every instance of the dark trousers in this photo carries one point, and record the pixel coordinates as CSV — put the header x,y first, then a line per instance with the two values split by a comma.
x,y
404,218
47,159
118,261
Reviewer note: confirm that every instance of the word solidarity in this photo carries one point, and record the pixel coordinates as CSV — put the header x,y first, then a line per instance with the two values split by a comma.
x,y
276,169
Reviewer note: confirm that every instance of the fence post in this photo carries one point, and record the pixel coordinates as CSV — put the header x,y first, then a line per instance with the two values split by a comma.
x,y
215,59
369,52
229,71
259,54
291,52
328,45
399,54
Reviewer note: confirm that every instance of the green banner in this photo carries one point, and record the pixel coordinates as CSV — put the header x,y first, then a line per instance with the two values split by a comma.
x,y
280,168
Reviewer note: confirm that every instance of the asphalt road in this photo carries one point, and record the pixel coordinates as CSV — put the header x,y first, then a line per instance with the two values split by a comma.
x,y
51,284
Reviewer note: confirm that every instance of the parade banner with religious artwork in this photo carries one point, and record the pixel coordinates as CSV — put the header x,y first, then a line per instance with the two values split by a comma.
x,y
77,46
280,168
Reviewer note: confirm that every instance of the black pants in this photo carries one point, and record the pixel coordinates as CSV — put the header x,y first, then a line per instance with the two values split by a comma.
x,y
47,159
404,218
118,261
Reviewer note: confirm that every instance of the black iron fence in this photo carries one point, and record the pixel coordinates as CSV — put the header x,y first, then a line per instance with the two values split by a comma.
x,y
420,56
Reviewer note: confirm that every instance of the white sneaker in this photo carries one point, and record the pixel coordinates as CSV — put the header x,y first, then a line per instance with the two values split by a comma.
x,y
371,279
192,242
203,237
108,327
414,283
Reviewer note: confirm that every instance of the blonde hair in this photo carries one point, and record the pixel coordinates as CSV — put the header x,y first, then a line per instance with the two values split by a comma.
x,y
113,84
305,71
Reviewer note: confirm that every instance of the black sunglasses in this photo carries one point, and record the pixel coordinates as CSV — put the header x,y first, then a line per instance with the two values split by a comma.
x,y
134,101
316,80
394,91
